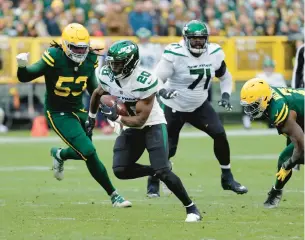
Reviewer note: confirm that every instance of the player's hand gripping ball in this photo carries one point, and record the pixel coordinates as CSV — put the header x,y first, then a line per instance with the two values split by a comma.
x,y
111,107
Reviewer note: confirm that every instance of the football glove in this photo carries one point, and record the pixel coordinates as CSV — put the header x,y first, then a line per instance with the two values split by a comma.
x,y
110,112
89,126
225,102
168,93
22,59
117,127
282,174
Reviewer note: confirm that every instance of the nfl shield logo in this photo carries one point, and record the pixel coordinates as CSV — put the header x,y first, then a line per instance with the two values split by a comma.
x,y
121,92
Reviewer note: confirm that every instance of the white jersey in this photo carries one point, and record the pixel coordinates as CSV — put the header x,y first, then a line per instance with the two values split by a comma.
x,y
191,76
150,54
139,85
273,79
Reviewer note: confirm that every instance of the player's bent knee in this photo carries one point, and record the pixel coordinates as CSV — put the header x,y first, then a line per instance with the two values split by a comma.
x,y
163,173
172,152
88,152
120,172
220,136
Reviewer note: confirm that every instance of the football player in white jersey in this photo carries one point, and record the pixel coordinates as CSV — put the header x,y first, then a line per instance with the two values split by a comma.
x,y
188,68
146,124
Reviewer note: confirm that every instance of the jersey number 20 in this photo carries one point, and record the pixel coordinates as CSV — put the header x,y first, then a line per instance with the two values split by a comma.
x,y
65,91
200,72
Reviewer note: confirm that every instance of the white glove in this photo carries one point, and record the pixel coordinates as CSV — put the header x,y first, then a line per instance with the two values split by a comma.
x,y
117,127
22,59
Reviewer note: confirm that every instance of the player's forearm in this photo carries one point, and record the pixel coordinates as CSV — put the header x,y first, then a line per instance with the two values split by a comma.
x,y
226,83
133,121
27,74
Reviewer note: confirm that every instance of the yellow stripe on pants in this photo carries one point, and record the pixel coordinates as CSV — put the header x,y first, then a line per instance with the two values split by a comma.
x,y
62,137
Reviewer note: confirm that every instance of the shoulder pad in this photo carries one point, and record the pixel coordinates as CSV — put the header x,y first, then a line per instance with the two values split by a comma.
x,y
103,77
173,50
93,58
145,84
278,112
49,56
216,50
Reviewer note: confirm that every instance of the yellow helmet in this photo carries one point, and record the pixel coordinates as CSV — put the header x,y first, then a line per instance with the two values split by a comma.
x,y
75,42
255,96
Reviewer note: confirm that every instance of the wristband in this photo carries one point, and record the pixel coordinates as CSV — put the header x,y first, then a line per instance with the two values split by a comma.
x,y
92,115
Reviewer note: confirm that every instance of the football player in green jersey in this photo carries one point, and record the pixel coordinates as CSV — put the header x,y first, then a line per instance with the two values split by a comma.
x,y
284,108
68,70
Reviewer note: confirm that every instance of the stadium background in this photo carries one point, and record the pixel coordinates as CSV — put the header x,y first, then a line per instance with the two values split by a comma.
x,y
33,205
248,31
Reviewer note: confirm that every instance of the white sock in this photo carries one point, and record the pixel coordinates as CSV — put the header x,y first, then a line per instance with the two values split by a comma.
x,y
190,205
114,193
225,166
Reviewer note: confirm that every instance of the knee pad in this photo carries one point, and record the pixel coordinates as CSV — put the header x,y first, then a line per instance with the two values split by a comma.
x,y
163,173
119,172
88,152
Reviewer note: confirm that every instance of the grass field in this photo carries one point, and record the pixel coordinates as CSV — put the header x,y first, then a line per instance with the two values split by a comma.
x,y
33,205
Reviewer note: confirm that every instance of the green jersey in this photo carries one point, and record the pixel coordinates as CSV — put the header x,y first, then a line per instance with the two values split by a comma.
x,y
65,80
284,100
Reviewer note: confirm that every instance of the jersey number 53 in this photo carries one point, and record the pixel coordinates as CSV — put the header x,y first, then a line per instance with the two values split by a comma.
x,y
66,91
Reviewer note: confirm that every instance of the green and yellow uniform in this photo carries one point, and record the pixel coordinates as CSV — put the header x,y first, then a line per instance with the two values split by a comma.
x,y
282,102
65,82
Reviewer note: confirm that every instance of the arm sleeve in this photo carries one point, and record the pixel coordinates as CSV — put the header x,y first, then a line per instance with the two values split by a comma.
x,y
164,69
298,70
225,78
27,74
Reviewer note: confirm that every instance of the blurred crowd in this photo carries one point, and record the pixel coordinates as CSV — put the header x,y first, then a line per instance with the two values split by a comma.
x,y
162,17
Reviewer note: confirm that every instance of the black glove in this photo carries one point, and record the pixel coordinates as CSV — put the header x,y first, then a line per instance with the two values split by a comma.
x,y
89,125
225,102
168,93
110,112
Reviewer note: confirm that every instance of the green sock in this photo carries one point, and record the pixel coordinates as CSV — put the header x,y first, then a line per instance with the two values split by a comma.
x,y
69,153
99,173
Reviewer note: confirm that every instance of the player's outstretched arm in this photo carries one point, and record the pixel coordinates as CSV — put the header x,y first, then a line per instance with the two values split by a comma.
x,y
143,109
28,73
225,86
296,135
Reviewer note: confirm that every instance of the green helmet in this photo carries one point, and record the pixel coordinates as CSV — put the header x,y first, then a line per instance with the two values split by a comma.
x,y
195,34
122,58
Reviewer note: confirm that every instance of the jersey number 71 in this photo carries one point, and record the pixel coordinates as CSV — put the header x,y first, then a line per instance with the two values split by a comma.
x,y
200,72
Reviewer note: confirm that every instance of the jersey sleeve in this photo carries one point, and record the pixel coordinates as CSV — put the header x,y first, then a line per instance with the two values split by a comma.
x,y
216,52
49,56
172,51
102,76
145,87
278,113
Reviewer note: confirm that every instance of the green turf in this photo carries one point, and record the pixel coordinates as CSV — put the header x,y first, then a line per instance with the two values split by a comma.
x,y
33,205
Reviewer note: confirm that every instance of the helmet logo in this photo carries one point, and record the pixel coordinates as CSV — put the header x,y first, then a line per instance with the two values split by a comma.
x,y
127,49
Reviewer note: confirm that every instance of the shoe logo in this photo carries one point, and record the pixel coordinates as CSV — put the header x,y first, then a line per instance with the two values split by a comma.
x,y
62,113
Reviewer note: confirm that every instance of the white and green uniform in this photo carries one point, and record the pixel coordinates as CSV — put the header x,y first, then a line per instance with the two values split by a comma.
x,y
139,85
191,76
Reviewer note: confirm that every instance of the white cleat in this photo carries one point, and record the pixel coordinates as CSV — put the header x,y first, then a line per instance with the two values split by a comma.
x,y
153,195
192,217
58,165
119,202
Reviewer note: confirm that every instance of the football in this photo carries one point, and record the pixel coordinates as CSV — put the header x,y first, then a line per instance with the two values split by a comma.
x,y
110,100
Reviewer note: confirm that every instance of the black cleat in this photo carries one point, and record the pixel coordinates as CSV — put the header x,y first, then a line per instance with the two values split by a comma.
x,y
228,183
274,198
153,187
